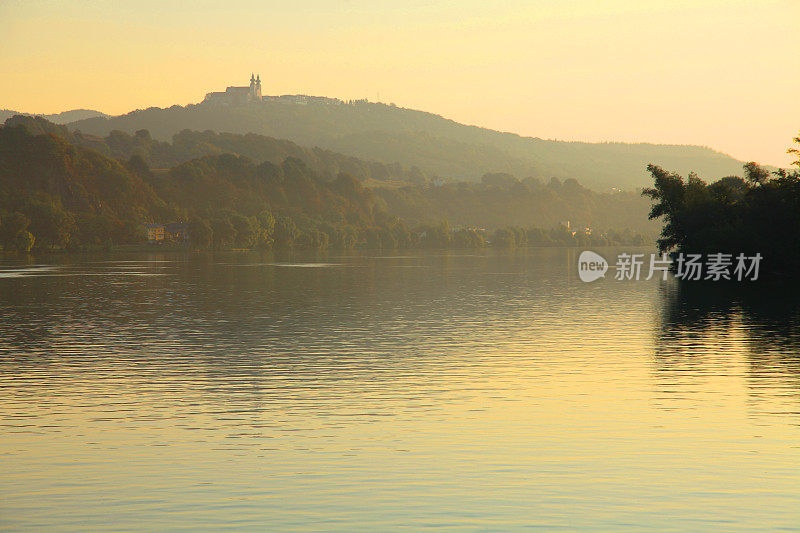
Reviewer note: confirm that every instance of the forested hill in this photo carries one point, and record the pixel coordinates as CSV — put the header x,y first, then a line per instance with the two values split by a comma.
x,y
187,145
57,118
60,189
436,145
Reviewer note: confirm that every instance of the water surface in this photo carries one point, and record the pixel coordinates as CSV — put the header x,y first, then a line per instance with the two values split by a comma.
x,y
487,390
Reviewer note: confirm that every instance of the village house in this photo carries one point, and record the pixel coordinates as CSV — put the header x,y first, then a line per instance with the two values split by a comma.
x,y
154,232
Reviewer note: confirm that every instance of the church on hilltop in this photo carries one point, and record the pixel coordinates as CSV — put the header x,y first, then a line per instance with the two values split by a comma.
x,y
237,95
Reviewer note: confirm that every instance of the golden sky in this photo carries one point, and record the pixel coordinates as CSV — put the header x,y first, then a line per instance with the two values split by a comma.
x,y
725,74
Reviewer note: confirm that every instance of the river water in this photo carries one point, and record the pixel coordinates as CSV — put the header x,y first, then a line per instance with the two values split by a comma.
x,y
488,391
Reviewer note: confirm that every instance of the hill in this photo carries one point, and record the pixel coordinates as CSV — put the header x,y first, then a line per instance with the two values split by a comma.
x,y
187,145
434,144
61,189
57,118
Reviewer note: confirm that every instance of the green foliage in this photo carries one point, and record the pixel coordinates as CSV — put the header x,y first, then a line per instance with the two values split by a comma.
x,y
94,230
247,230
51,224
11,224
469,238
754,174
266,229
314,239
757,214
144,153
388,135
795,151
504,238
506,201
69,196
201,233
437,236
24,241
224,234
286,232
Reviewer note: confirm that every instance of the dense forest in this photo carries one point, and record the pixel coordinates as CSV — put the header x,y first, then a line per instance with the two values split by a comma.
x,y
435,145
65,190
755,214
187,145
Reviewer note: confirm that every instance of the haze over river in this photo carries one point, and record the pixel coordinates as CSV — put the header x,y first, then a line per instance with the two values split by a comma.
x,y
383,391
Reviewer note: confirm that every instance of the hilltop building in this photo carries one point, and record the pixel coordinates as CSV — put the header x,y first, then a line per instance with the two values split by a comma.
x,y
237,95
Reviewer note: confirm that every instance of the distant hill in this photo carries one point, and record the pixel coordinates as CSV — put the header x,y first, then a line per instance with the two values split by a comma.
x,y
434,144
68,189
58,118
188,145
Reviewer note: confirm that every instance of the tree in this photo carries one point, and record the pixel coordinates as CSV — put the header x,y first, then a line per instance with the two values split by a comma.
x,y
224,233
12,224
200,233
314,239
92,229
468,238
372,238
437,236
246,229
668,194
504,238
137,165
286,232
499,179
23,241
795,151
266,229
729,190
754,174
733,216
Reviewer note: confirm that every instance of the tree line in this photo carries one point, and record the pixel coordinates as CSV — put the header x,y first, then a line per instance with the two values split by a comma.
x,y
56,193
432,143
758,213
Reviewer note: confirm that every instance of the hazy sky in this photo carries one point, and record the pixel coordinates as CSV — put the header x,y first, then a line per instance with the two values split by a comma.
x,y
720,73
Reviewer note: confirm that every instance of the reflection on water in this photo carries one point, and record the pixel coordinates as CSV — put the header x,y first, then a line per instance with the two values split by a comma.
x,y
703,325
380,392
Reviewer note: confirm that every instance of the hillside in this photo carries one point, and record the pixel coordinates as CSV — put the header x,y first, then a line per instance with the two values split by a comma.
x,y
56,118
498,200
435,145
62,189
188,145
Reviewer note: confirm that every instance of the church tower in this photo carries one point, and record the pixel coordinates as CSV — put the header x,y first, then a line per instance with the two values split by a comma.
x,y
254,94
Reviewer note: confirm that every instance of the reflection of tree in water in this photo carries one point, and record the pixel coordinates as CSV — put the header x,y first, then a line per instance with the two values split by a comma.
x,y
704,327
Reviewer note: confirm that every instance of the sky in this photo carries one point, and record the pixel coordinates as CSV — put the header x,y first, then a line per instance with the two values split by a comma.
x,y
724,74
